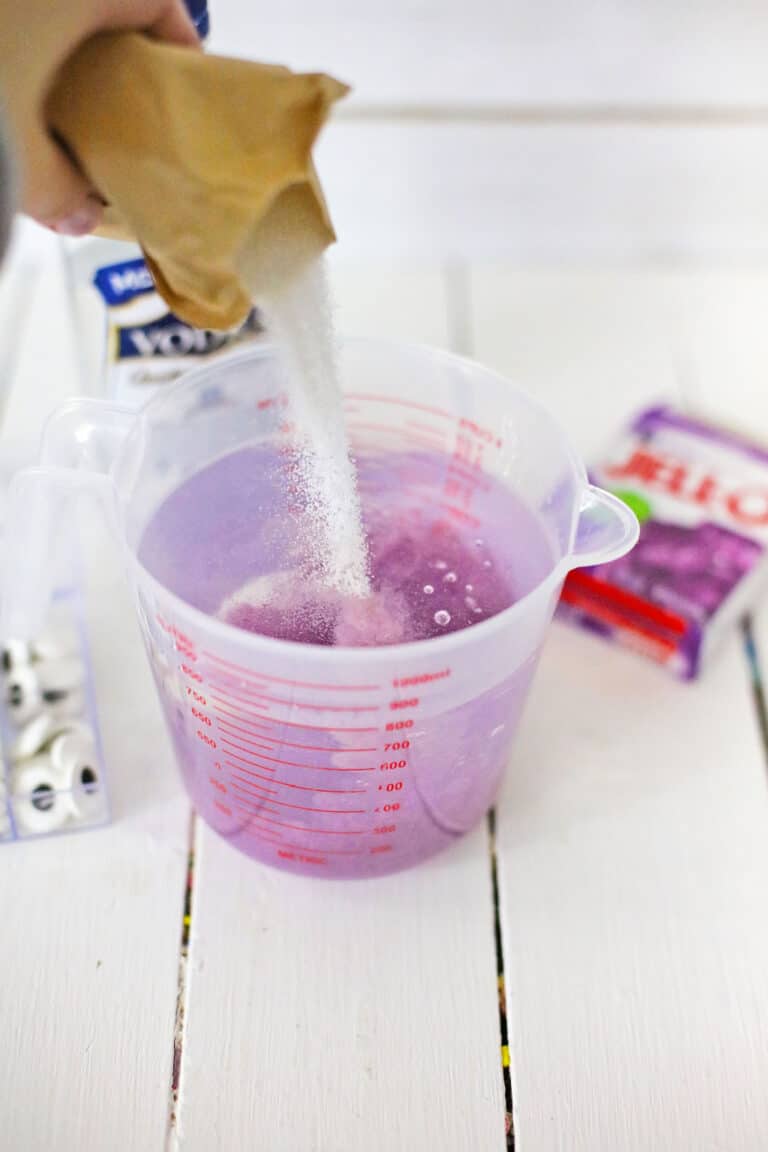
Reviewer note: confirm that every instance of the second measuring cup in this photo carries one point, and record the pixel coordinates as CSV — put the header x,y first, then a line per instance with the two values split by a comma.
x,y
332,761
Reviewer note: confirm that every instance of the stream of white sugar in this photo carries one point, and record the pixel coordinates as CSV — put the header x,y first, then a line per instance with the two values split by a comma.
x,y
300,316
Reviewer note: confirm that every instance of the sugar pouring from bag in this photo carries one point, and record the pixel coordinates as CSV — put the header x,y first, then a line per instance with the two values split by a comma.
x,y
213,165
213,175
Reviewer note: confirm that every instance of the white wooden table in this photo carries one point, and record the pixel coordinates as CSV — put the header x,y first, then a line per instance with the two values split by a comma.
x,y
605,251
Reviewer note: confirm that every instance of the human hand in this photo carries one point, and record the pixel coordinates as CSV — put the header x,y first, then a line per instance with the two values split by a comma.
x,y
37,36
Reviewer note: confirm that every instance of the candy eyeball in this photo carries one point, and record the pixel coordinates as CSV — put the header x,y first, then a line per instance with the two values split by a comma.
x,y
15,654
23,698
41,802
32,737
73,757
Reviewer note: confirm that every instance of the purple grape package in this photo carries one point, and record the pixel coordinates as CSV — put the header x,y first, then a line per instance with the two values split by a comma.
x,y
701,496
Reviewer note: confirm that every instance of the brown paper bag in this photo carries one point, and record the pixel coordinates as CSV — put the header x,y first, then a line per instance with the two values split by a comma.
x,y
205,161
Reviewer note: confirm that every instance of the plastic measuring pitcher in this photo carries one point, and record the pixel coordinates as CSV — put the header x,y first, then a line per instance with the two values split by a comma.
x,y
325,760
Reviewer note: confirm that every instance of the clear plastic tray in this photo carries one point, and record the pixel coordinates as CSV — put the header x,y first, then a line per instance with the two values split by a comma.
x,y
52,777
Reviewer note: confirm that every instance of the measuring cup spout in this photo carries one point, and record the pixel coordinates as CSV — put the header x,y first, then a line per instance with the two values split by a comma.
x,y
80,442
606,529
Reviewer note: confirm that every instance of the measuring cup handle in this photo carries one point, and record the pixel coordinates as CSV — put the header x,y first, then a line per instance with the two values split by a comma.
x,y
606,529
85,435
39,516
80,443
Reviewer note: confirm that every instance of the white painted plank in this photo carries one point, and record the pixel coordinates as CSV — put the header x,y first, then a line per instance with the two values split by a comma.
x,y
91,928
367,295
598,192
593,346
347,1016
91,922
444,52
338,1016
37,363
634,865
596,345
633,846
723,345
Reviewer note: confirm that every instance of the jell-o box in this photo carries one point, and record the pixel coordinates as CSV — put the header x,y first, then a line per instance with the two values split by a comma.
x,y
701,496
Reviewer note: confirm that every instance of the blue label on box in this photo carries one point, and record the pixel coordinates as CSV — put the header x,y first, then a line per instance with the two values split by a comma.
x,y
121,283
167,336
170,336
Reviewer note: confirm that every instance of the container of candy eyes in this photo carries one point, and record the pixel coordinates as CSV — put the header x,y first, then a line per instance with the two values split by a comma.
x,y
51,778
701,495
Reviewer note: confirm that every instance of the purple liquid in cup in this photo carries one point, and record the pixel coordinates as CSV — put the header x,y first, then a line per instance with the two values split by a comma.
x,y
301,798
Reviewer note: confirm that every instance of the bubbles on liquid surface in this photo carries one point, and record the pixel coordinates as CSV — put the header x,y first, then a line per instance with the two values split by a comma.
x,y
426,580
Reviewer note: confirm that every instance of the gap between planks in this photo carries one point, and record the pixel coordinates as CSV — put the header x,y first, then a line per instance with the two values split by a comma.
x,y
509,1120
172,1142
555,114
752,654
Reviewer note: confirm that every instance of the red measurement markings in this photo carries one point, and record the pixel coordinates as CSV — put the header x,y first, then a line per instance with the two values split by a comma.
x,y
303,807
241,715
246,760
467,454
421,678
471,479
275,840
458,490
255,761
243,672
279,400
176,634
410,702
264,837
256,790
251,696
233,776
258,813
310,831
362,442
487,435
275,742
408,477
300,763
403,404
234,702
428,428
460,514
240,747
400,432
233,730
298,787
